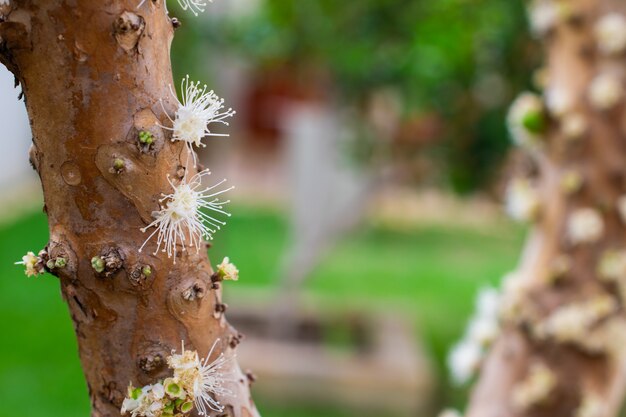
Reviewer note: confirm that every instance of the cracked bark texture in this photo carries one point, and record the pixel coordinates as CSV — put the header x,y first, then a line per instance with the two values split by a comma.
x,y
92,73
600,156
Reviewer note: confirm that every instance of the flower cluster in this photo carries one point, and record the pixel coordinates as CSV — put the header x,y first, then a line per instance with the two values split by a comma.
x,y
466,356
181,219
527,120
610,32
194,383
227,271
574,125
155,401
584,225
535,388
33,264
558,102
544,15
514,288
605,91
571,323
522,200
612,266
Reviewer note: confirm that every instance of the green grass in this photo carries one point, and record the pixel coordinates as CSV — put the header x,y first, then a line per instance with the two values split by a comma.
x,y
429,273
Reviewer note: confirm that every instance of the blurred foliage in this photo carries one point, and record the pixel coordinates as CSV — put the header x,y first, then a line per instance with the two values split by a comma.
x,y
461,59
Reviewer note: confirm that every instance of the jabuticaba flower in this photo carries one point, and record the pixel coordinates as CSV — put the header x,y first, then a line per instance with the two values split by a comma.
x,y
33,264
227,271
198,109
181,220
194,384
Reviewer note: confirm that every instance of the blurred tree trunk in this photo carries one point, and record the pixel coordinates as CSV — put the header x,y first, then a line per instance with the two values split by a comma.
x,y
92,74
570,317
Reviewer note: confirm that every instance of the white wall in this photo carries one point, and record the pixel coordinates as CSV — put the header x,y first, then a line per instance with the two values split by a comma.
x,y
15,136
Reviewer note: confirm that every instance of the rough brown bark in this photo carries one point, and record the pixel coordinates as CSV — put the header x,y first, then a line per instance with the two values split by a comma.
x,y
600,157
92,74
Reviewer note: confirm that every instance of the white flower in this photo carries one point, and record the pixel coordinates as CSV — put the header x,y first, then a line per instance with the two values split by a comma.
x,y
558,101
522,200
32,265
543,16
488,302
526,119
605,91
513,283
584,225
181,219
514,288
610,32
483,330
202,378
227,271
194,5
144,402
197,110
158,391
574,125
464,360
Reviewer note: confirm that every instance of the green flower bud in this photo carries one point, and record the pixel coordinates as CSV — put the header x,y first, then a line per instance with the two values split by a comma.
x,y
146,137
169,408
186,407
534,122
97,263
173,389
50,264
118,164
60,262
146,271
135,393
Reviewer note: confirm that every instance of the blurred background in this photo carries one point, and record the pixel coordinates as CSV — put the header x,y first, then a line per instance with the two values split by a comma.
x,y
369,153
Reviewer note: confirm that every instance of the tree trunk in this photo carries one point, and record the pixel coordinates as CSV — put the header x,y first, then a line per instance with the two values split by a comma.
x,y
557,273
92,74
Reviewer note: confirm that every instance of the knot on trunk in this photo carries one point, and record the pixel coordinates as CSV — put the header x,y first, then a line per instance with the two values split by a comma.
x,y
128,28
151,363
108,262
195,292
141,276
152,359
235,339
60,259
